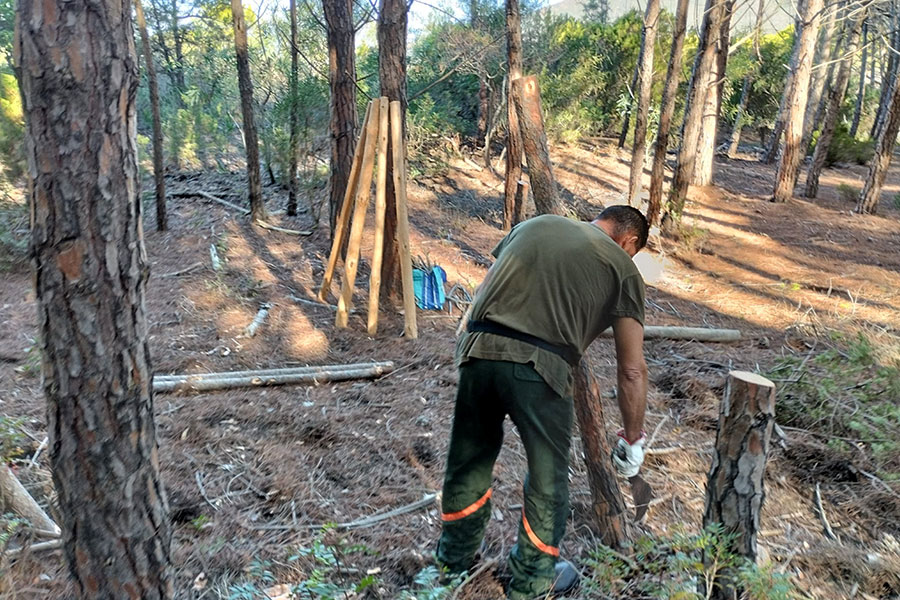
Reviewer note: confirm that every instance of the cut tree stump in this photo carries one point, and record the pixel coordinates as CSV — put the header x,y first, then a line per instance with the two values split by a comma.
x,y
607,502
735,490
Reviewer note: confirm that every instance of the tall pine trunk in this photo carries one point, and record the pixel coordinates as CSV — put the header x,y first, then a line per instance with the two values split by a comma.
x,y
884,151
254,185
832,112
79,82
861,92
666,111
514,151
392,22
819,75
623,135
738,127
527,97
342,83
784,107
294,150
889,79
706,146
159,175
644,85
710,32
789,166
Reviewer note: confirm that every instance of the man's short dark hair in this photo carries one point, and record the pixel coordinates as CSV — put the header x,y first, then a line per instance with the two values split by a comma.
x,y
627,219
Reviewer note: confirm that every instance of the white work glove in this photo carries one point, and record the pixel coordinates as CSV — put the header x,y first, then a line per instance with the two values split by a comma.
x,y
628,458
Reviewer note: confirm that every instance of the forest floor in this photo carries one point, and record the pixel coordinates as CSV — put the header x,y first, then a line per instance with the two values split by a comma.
x,y
253,474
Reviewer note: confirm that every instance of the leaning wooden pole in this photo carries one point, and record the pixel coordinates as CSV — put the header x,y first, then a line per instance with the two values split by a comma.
x,y
314,375
608,505
398,158
527,98
380,204
351,264
735,490
16,498
343,222
514,135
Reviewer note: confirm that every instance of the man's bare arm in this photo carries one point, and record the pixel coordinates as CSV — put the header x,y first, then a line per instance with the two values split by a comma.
x,y
631,375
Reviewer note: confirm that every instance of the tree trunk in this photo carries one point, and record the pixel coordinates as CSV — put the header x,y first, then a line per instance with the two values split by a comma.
x,y
861,94
257,208
881,161
527,97
645,83
342,83
627,119
889,80
666,111
159,175
392,21
294,150
789,166
783,108
607,502
713,17
514,150
78,84
738,119
820,76
735,490
832,112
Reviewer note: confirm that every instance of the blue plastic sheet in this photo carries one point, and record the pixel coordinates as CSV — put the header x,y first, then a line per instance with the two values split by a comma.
x,y
429,288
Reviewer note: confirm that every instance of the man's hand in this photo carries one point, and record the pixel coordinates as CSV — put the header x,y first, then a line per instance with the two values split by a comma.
x,y
628,457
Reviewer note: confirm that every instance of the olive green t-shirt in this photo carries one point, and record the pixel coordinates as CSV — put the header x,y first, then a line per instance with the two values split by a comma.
x,y
557,279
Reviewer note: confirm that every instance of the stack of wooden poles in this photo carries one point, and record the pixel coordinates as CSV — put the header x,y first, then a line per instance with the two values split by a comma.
x,y
382,118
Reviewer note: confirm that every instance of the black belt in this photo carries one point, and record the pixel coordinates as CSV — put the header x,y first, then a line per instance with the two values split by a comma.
x,y
565,352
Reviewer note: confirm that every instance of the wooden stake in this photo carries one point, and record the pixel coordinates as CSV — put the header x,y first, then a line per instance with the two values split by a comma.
x,y
380,207
344,218
351,263
410,328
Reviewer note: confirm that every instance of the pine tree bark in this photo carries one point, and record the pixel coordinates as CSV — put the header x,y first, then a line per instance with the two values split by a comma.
x,y
789,166
644,85
709,128
251,141
527,97
159,175
832,112
607,502
627,119
735,489
819,75
861,93
666,111
79,80
739,118
710,33
294,150
881,161
514,151
889,79
342,84
392,23
784,107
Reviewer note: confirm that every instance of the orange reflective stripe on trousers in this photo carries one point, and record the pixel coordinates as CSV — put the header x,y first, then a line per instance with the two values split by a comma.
x,y
551,550
460,514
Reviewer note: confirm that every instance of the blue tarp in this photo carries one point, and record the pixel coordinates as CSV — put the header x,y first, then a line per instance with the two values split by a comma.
x,y
429,288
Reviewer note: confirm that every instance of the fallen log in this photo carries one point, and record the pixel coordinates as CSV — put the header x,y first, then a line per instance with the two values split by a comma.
x,y
270,227
698,334
319,375
39,547
214,258
275,371
14,496
209,196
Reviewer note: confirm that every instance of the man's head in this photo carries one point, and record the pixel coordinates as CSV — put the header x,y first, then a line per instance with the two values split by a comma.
x,y
626,226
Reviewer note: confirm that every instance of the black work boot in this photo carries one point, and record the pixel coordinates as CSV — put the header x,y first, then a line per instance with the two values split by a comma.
x,y
567,578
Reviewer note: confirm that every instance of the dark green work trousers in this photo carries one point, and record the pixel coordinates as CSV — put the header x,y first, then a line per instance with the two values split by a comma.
x,y
488,391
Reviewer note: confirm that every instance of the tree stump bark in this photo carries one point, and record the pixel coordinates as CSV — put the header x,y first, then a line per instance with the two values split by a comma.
x,y
607,502
527,98
735,490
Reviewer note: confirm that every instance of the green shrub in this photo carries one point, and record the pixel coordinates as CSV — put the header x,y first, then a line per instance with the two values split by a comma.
x,y
845,148
848,193
12,128
13,229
